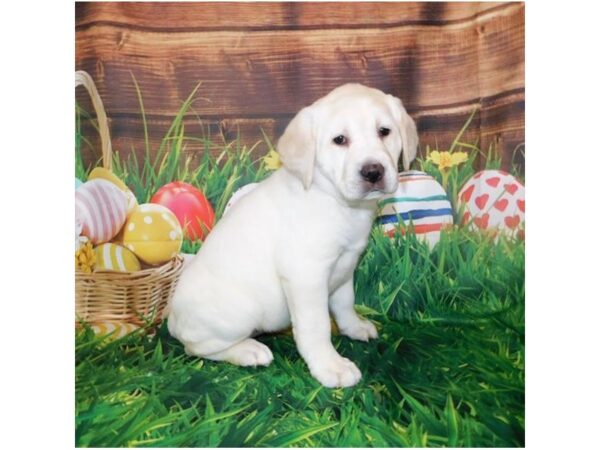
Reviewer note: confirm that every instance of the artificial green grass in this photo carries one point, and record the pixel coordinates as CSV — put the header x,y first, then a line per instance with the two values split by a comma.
x,y
447,370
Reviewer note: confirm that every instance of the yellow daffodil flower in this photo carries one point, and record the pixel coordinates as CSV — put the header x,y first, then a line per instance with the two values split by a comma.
x,y
272,160
85,258
445,160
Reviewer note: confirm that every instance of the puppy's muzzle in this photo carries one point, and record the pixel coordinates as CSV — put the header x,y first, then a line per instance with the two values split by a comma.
x,y
372,172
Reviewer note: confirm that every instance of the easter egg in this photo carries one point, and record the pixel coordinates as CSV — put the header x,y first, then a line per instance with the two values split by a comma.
x,y
493,200
419,205
114,330
105,174
79,240
153,233
193,211
114,257
237,195
78,183
100,210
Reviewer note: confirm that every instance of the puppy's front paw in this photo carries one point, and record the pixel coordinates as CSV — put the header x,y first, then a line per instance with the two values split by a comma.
x,y
361,330
336,372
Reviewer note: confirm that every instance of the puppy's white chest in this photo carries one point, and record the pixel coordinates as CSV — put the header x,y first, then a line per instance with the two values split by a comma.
x,y
344,268
352,245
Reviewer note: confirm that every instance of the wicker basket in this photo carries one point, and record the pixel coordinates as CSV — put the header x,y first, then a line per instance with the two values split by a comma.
x,y
124,297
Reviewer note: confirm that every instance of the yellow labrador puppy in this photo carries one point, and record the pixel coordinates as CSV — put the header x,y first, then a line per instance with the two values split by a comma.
x,y
286,252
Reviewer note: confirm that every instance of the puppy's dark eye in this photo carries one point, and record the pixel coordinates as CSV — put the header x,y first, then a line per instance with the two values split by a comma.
x,y
340,140
383,131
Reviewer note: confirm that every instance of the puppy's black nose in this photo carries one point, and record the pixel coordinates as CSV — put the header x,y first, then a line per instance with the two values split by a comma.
x,y
372,172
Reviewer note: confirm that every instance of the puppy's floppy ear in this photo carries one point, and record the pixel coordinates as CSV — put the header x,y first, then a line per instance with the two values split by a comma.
x,y
408,131
298,147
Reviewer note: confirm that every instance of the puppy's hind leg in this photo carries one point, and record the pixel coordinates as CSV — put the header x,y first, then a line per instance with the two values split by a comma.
x,y
248,352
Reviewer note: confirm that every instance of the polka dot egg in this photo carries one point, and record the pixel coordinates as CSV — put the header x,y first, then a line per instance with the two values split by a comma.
x,y
115,257
153,233
420,204
493,200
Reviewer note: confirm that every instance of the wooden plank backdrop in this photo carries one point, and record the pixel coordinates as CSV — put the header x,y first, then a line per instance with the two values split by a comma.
x,y
259,63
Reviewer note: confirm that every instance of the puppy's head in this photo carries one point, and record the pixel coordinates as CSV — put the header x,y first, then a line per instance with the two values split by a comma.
x,y
352,138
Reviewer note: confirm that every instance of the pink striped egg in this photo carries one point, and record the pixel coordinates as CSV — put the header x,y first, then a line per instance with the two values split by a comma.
x,y
100,209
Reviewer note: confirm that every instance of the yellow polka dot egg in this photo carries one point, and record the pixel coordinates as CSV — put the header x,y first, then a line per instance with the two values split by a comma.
x,y
115,257
153,233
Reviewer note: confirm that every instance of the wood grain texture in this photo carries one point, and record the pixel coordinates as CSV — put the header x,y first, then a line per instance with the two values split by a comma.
x,y
176,16
260,63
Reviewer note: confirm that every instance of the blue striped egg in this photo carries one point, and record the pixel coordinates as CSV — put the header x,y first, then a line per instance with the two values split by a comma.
x,y
419,205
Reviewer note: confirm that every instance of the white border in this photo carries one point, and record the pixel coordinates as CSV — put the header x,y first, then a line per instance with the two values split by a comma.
x,y
562,97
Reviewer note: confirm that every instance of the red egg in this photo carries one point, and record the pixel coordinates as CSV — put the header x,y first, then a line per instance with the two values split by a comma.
x,y
190,206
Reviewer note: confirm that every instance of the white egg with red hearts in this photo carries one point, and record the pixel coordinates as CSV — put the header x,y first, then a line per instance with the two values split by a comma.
x,y
420,205
493,200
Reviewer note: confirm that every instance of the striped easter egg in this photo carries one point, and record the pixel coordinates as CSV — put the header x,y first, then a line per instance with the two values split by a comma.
x,y
420,205
100,209
115,257
100,173
116,330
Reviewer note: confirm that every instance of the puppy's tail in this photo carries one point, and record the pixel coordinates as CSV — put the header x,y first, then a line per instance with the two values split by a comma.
x,y
187,258
166,311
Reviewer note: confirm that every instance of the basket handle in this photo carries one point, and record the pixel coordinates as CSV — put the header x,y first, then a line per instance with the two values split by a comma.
x,y
83,78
